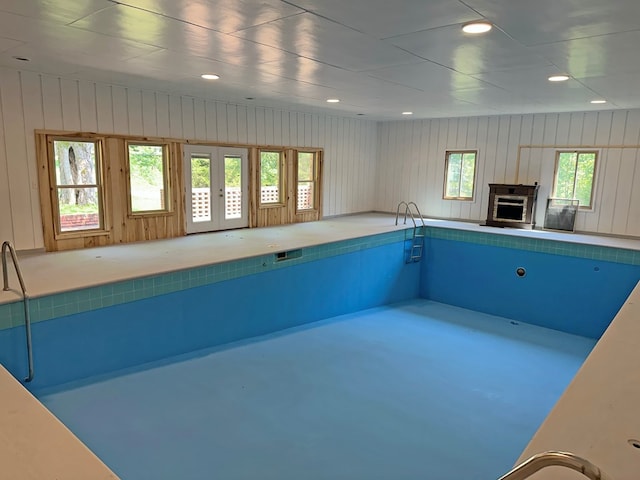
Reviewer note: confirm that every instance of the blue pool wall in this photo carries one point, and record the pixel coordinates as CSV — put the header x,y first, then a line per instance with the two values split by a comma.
x,y
573,288
568,287
265,296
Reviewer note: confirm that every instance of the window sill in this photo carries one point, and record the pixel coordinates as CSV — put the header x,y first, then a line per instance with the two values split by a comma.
x,y
154,213
81,234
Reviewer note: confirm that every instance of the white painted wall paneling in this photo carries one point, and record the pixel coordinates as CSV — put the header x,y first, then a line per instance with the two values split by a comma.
x,y
498,140
30,101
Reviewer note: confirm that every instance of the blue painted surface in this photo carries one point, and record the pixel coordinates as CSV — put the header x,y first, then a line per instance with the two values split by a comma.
x,y
570,294
106,339
421,390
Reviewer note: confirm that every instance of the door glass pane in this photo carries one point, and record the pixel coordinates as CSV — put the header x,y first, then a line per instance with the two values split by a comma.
x,y
78,208
200,188
232,187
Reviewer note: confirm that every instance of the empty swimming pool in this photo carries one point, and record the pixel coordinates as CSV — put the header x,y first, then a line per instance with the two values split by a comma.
x,y
415,390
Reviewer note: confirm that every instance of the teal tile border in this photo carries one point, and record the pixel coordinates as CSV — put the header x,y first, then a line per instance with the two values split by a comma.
x,y
92,298
555,247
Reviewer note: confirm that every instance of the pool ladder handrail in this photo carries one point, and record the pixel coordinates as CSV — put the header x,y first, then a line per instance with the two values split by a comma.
x,y
554,459
7,246
417,241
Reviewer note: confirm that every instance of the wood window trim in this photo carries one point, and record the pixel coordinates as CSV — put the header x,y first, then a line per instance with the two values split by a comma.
x,y
581,208
282,187
167,175
48,164
446,174
317,154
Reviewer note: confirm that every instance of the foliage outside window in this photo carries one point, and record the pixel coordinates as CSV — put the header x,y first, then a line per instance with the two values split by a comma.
x,y
77,185
307,176
460,173
271,176
147,177
574,176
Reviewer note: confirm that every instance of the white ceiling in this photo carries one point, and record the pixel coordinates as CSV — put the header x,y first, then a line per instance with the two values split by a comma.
x,y
379,57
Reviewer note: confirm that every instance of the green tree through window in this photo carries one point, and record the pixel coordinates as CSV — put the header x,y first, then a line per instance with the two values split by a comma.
x,y
574,176
147,177
460,174
270,177
78,184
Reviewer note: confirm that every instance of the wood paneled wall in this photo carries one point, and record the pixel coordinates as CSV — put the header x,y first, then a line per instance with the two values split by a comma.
x,y
269,215
30,101
119,225
514,149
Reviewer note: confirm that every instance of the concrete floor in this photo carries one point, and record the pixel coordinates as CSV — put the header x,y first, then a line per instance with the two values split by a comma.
x,y
418,390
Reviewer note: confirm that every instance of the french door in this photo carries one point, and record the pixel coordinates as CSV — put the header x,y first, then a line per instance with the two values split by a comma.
x,y
216,188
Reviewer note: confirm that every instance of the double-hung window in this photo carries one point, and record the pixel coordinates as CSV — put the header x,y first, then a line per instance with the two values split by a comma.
x,y
307,181
272,178
77,187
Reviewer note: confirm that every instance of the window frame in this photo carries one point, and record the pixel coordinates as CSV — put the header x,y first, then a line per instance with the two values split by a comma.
x,y
166,163
315,174
446,175
596,152
99,143
282,193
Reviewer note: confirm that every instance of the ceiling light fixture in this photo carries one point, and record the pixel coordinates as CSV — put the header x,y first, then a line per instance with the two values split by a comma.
x,y
476,27
559,78
333,100
210,76
598,101
407,113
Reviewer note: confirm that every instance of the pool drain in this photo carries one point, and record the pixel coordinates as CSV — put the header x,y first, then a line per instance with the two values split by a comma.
x,y
521,272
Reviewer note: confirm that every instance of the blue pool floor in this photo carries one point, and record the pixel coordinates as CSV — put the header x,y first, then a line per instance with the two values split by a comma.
x,y
418,390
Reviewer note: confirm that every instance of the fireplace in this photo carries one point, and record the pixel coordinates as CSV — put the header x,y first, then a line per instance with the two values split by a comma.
x,y
512,205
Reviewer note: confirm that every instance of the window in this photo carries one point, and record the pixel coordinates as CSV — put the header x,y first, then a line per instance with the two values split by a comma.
x,y
147,178
77,179
271,178
573,178
460,173
307,173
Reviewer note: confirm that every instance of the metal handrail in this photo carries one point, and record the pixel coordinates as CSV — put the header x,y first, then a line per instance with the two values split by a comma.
x,y
554,459
417,211
25,297
405,211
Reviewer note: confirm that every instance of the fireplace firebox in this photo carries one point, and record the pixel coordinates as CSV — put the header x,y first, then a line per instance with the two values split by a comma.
x,y
512,205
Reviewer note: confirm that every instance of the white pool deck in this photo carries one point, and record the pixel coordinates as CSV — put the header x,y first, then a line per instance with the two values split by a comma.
x,y
595,418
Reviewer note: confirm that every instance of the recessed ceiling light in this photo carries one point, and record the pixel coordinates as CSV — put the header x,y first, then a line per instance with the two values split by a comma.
x,y
598,101
476,27
333,100
558,78
407,113
210,76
